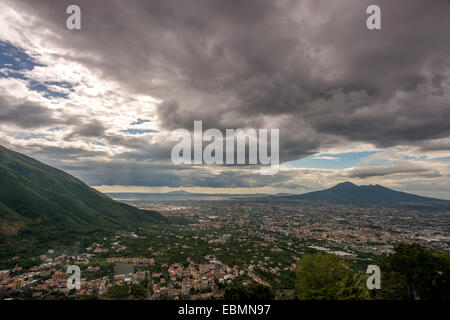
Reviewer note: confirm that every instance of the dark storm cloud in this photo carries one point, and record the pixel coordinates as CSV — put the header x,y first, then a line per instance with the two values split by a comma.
x,y
408,117
172,117
129,173
92,128
25,115
310,68
395,169
62,153
435,145
228,62
153,151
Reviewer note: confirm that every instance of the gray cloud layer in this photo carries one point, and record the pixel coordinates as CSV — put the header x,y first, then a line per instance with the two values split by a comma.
x,y
310,68
26,115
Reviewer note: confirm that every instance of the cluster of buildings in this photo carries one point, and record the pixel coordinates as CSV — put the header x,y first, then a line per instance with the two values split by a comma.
x,y
197,281
47,278
260,240
374,229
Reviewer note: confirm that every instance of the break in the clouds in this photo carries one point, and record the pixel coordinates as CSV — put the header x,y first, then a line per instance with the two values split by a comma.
x,y
350,103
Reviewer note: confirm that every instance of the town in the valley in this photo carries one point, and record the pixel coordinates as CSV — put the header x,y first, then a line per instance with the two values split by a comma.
x,y
209,245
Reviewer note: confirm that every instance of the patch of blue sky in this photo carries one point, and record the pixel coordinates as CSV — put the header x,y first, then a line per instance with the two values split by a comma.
x,y
380,160
139,131
54,129
98,143
330,161
14,58
62,84
28,136
45,90
443,159
9,73
140,121
415,158
13,61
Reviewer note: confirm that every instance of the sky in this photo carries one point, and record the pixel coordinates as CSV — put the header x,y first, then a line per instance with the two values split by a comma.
x,y
351,104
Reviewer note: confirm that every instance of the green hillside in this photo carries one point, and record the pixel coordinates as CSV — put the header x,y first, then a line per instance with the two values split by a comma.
x,y
33,194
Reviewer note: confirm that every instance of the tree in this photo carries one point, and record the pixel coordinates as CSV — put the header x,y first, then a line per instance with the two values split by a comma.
x,y
321,276
353,287
251,292
415,271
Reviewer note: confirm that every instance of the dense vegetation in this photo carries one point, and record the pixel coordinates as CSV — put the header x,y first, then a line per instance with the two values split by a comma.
x,y
251,292
411,272
415,271
40,205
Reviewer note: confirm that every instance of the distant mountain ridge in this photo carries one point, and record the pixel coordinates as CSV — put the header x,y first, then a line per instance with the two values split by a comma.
x,y
345,192
180,195
348,192
32,193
